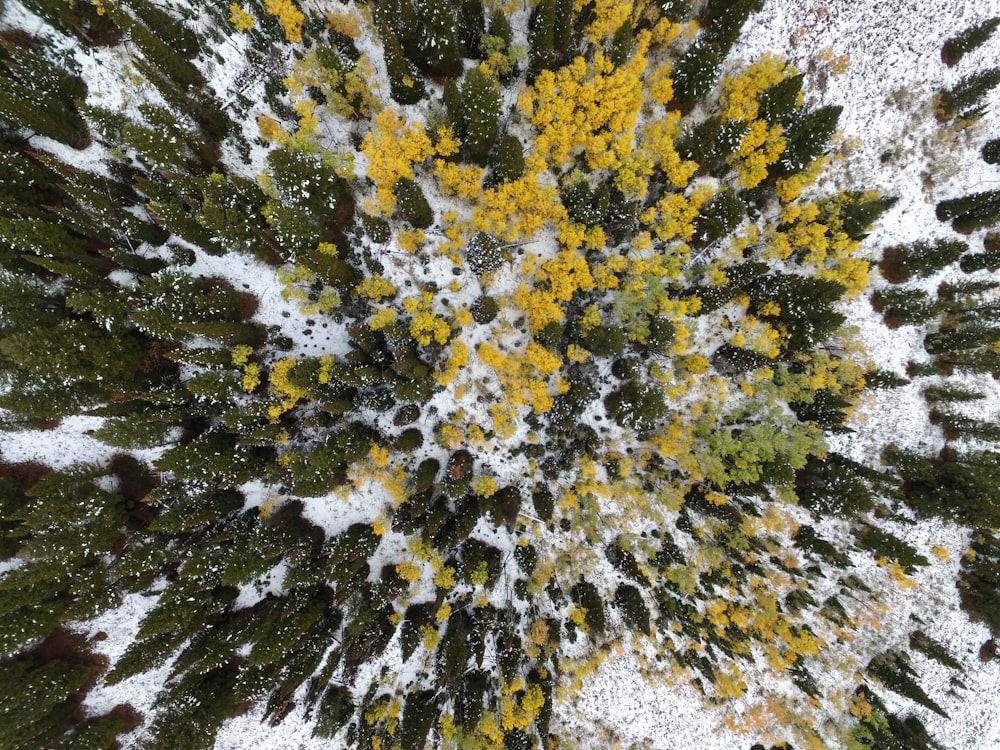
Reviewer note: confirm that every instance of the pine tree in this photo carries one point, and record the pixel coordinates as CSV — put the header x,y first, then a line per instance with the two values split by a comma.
x,y
991,151
718,218
808,133
921,259
438,51
406,85
471,25
956,486
541,38
963,99
974,37
412,205
696,72
979,581
780,101
893,670
904,306
480,113
508,164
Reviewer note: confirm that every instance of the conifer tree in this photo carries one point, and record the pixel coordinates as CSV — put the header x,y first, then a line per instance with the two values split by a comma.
x,y
508,162
921,258
904,306
893,670
808,133
471,26
991,151
480,113
979,580
972,38
438,51
696,72
406,85
963,100
412,205
541,38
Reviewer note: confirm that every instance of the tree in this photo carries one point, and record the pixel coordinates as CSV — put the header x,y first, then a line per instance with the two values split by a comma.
x,y
808,132
979,580
974,37
480,113
696,72
921,258
508,162
406,86
411,204
991,151
438,51
963,99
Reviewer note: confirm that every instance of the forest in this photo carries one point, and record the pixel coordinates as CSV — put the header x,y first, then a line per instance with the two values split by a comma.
x,y
444,352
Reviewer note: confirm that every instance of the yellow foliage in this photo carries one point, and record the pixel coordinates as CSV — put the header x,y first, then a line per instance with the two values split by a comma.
x,y
240,18
376,288
391,149
288,16
409,571
740,92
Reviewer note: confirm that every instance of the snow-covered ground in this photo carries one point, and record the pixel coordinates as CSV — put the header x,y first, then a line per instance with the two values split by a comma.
x,y
889,143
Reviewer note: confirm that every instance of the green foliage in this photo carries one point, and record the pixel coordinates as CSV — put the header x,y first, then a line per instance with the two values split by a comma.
x,y
412,205
979,581
719,217
808,133
933,649
991,151
972,38
484,253
696,72
963,100
406,85
437,50
480,112
904,306
637,406
956,486
893,670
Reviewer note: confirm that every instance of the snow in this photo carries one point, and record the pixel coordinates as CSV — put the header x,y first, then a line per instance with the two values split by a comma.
x,y
886,90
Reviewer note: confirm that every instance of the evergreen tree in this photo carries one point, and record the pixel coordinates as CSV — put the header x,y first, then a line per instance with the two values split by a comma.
x,y
933,649
438,51
541,38
893,670
480,113
406,85
963,100
718,218
779,102
974,37
808,133
921,258
696,72
411,205
904,306
508,164
955,486
991,151
979,581
471,26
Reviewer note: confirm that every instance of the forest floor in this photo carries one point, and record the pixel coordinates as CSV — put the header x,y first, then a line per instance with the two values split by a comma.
x,y
881,61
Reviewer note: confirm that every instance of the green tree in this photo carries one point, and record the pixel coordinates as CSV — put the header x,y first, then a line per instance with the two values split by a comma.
x,y
480,113
406,85
963,100
437,51
974,37
411,204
